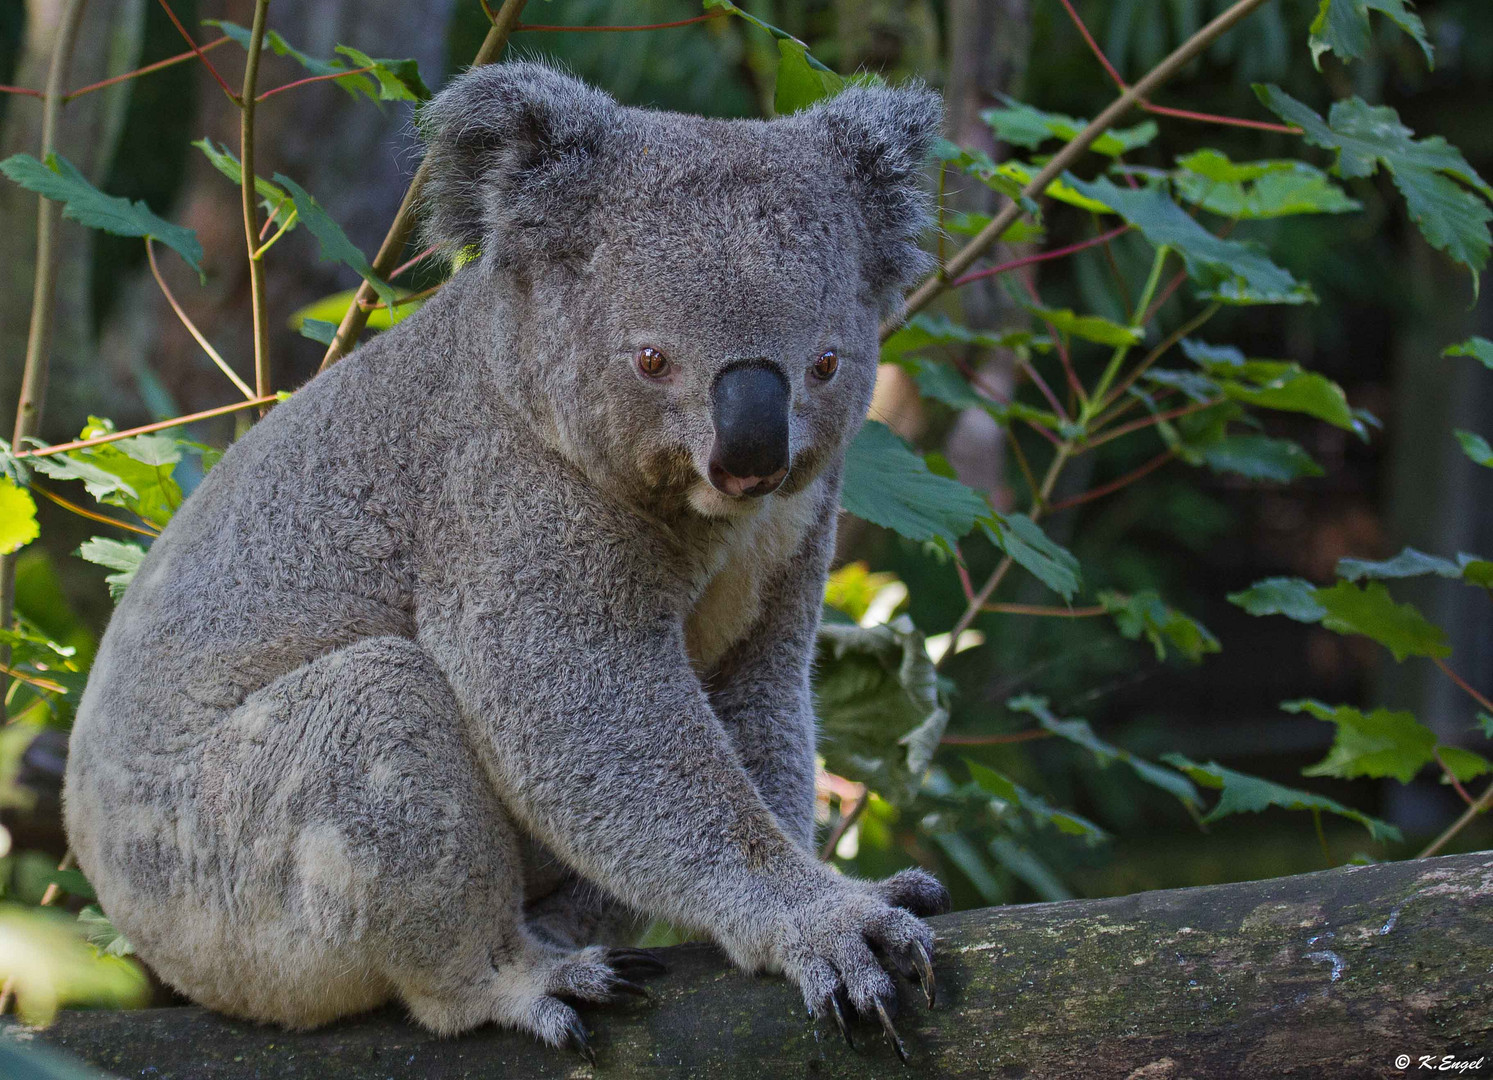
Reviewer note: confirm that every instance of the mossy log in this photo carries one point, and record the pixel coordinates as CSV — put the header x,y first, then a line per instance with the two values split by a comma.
x,y
1333,974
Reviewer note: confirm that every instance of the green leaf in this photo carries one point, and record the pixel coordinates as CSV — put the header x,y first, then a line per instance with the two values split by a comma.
x,y
1227,271
1277,384
134,473
1479,348
1475,447
1144,614
1020,231
61,182
1463,764
1032,549
876,695
49,964
1377,744
318,330
889,485
335,246
1429,172
1078,732
1342,26
398,80
73,883
18,525
781,35
1019,174
1260,457
1022,125
1294,598
121,555
275,200
1240,793
1088,327
393,80
1258,190
101,933
1485,724
1002,788
1372,612
799,85
330,309
925,331
1412,563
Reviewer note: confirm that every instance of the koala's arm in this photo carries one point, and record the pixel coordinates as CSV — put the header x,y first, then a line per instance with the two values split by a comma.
x,y
761,691
557,628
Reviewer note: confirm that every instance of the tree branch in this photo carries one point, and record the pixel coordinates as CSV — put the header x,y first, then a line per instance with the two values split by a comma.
x,y
246,103
1324,975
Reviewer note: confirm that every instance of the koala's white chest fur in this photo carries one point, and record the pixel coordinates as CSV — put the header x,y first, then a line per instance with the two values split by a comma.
x,y
731,600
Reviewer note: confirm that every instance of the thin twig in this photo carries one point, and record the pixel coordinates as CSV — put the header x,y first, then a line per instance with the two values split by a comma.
x,y
1446,670
1452,777
39,334
1044,256
414,297
146,70
616,29
1483,804
847,819
1114,485
213,354
91,515
994,740
935,284
22,90
1046,612
37,681
1157,353
1159,418
1162,110
48,898
402,267
199,53
145,429
257,297
312,79
354,319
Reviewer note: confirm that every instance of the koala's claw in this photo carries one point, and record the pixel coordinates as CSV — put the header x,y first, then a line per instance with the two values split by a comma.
x,y
576,1039
924,965
625,986
637,962
838,1010
891,1032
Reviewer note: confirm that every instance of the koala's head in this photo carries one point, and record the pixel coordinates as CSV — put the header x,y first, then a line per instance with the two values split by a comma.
x,y
691,305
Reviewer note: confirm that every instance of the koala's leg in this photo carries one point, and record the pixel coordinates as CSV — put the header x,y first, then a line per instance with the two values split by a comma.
x,y
580,913
381,857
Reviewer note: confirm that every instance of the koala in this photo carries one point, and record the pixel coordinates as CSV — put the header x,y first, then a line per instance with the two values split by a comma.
x,y
494,639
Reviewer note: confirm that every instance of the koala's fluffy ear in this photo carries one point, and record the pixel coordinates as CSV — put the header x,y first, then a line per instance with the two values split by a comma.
x,y
882,136
509,150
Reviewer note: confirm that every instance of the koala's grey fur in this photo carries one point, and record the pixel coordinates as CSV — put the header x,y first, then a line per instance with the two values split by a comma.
x,y
456,665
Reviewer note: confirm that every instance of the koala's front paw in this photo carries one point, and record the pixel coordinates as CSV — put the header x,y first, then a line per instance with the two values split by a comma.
x,y
834,941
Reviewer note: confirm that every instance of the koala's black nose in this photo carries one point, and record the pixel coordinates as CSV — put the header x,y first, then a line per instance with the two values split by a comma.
x,y
750,408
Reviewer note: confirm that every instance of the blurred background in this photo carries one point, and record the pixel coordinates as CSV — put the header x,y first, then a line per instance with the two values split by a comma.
x,y
1389,306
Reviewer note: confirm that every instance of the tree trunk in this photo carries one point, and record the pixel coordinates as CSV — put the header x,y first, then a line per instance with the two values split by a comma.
x,y
1334,974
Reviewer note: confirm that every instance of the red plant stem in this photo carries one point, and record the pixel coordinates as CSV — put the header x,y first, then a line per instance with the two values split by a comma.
x,y
613,29
1044,256
1046,612
312,79
1454,677
410,299
994,740
1114,485
1062,350
1162,110
402,267
963,571
1451,776
159,425
197,51
1138,425
146,70
22,90
1167,292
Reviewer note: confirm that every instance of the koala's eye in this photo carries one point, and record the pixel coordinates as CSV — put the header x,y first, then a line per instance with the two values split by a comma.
x,y
826,365
652,362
